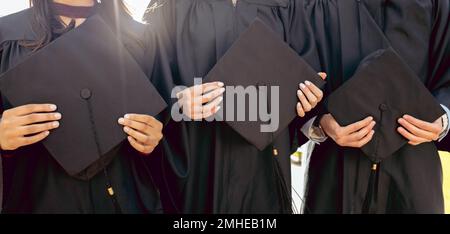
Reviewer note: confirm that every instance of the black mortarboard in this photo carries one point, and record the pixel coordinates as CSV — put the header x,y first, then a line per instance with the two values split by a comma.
x,y
386,88
261,58
94,81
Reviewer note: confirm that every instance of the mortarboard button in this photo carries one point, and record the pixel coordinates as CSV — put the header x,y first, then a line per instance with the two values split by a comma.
x,y
383,107
85,94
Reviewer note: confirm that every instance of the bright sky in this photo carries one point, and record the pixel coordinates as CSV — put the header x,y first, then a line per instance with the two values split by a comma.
x,y
10,6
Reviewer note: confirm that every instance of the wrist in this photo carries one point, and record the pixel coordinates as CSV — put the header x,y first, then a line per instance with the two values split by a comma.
x,y
320,123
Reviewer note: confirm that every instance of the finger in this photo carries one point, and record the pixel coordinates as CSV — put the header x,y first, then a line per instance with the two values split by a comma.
x,y
31,108
38,118
212,95
191,107
357,126
410,136
194,112
300,111
417,131
37,128
140,137
34,139
189,93
208,87
212,107
359,135
147,119
138,146
312,99
422,124
315,90
365,140
198,90
305,103
323,75
141,127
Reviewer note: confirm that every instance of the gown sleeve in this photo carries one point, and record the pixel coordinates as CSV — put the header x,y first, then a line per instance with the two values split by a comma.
x,y
162,28
439,60
175,153
300,37
1,162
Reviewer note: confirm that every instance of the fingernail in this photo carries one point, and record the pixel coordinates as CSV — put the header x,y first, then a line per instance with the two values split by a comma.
x,y
217,109
220,99
58,116
220,84
47,133
121,121
302,86
129,138
53,107
222,90
323,75
308,83
126,129
300,93
127,116
55,124
371,118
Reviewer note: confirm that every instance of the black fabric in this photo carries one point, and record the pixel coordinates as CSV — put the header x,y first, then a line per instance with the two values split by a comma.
x,y
385,88
34,182
253,61
209,167
95,80
346,32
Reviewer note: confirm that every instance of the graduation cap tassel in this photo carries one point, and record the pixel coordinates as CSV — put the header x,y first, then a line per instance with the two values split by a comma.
x,y
282,189
369,205
281,186
109,188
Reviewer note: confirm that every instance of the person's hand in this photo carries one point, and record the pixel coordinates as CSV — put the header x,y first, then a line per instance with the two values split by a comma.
x,y
309,95
144,132
27,125
201,101
355,135
418,132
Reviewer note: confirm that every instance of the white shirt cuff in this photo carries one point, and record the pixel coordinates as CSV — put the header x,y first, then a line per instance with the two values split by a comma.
x,y
446,124
313,133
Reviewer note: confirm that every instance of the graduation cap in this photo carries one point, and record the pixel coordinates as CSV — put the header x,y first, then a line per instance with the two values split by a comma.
x,y
94,81
260,58
386,88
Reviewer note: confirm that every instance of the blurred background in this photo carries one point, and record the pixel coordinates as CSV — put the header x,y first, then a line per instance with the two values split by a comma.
x,y
299,159
9,6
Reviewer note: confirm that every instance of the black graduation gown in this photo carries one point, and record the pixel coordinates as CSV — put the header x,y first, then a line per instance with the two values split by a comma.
x,y
410,181
35,183
207,166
